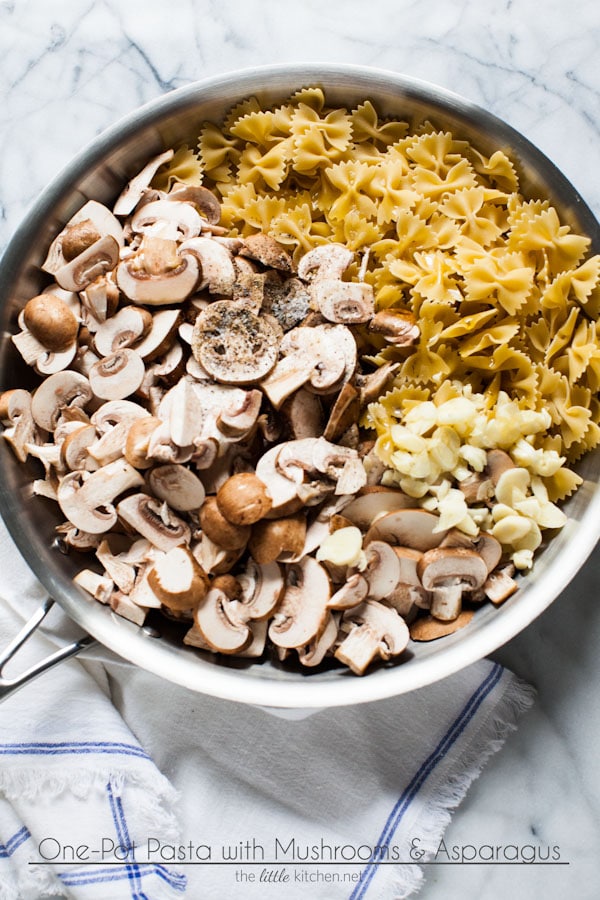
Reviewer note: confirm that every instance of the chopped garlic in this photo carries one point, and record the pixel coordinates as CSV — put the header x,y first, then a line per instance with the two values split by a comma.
x,y
343,547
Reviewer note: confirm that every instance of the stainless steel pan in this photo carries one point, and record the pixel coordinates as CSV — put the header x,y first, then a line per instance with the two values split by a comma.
x,y
99,172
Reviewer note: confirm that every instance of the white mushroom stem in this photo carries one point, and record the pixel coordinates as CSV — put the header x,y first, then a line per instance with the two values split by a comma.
x,y
86,498
99,586
376,630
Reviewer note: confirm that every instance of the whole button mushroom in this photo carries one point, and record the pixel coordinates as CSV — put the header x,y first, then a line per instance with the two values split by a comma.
x,y
51,322
243,499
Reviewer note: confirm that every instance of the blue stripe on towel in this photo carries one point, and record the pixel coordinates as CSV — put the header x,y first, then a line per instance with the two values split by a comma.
x,y
82,877
14,842
425,770
132,871
37,748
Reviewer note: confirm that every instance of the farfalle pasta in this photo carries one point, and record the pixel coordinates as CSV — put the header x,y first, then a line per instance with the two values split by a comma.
x,y
504,294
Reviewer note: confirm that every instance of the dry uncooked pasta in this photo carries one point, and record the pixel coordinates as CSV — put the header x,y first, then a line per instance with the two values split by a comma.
x,y
504,294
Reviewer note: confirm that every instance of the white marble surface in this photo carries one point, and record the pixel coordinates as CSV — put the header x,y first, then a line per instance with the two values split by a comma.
x,y
69,69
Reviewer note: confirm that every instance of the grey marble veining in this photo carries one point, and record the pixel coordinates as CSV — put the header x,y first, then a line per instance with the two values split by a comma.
x,y
70,69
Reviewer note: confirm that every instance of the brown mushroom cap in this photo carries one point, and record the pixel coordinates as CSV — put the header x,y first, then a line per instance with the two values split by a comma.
x,y
233,344
50,321
278,539
177,579
398,327
243,499
219,529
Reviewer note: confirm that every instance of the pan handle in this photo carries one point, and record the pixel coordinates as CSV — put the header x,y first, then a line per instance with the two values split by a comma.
x,y
9,685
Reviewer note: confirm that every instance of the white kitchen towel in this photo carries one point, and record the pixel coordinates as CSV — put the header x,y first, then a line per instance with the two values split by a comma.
x,y
213,799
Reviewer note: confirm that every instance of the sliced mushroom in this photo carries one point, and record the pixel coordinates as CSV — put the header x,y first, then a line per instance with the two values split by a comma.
x,y
354,590
325,261
98,259
375,630
373,502
86,498
215,559
161,334
383,569
500,585
168,219
316,650
162,289
323,358
344,302
371,386
120,571
154,521
74,449
101,297
57,393
261,589
398,327
303,413
498,462
177,580
447,573
16,411
344,412
99,586
178,486
282,491
217,273
91,223
117,376
267,251
237,422
132,194
137,441
216,621
302,612
204,200
234,345
124,329
414,528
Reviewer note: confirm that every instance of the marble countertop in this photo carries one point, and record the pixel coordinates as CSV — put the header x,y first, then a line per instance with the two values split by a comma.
x,y
69,70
